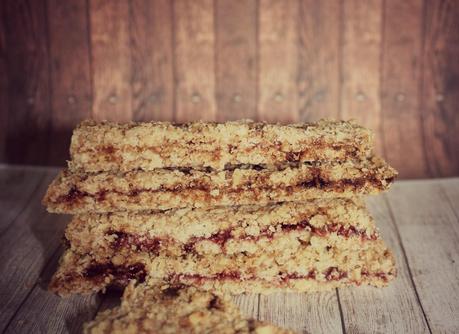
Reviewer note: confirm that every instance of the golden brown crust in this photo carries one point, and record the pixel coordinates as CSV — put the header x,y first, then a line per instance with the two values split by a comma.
x,y
162,309
282,263
106,146
165,189
225,230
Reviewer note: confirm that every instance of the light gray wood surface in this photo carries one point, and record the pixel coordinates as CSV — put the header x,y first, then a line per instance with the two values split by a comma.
x,y
418,220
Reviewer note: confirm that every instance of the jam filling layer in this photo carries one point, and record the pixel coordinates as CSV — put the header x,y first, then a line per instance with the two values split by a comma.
x,y
74,194
144,243
122,274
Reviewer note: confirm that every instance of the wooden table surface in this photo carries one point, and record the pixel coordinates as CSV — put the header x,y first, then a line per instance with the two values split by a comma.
x,y
418,219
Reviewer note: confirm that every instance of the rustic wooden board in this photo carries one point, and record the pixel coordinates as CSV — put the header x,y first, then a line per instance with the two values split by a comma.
x,y
70,70
27,68
319,62
277,60
418,220
152,60
194,41
361,29
441,73
401,65
110,61
235,56
429,232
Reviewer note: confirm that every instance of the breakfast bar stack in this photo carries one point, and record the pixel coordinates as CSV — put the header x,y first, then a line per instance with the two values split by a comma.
x,y
233,207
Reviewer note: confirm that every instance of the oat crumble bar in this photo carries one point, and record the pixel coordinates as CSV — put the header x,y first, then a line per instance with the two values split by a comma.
x,y
105,146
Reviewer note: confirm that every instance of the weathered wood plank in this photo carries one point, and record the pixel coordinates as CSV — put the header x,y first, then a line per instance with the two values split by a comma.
x,y
27,67
236,70
451,188
111,60
152,60
3,90
319,59
393,309
304,313
248,303
400,97
194,60
45,312
360,91
441,87
25,248
278,60
70,73
429,232
17,186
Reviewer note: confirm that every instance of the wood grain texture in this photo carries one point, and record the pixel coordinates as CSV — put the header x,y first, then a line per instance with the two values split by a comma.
x,y
429,232
70,72
319,59
441,87
235,56
64,315
111,60
278,60
304,313
248,304
361,47
31,243
394,309
3,89
17,187
152,60
194,60
27,67
400,97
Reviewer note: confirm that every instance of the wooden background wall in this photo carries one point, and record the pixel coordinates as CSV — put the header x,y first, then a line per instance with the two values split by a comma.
x,y
392,65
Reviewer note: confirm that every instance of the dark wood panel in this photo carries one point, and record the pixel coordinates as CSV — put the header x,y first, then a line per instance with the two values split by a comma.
x,y
362,21
235,54
391,65
400,87
441,87
152,60
111,60
70,72
319,59
27,68
3,89
278,60
194,60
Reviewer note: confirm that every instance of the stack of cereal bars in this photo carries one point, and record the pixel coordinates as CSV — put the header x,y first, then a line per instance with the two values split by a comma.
x,y
230,207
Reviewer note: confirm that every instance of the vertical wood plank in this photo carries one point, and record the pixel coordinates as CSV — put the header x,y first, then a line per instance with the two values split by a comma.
x,y
441,87
27,68
360,91
319,59
400,87
3,89
429,232
111,60
25,248
236,71
248,304
70,73
45,312
17,186
304,313
393,309
278,60
194,60
152,60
